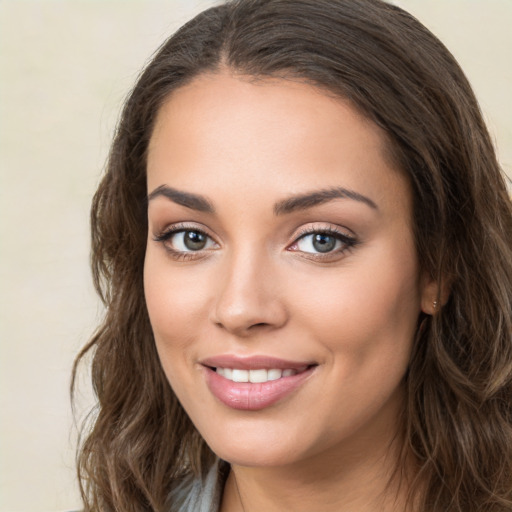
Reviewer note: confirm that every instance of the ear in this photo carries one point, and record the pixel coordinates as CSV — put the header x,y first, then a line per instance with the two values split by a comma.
x,y
434,295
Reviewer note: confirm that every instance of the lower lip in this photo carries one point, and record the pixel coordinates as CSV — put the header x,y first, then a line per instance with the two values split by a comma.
x,y
253,397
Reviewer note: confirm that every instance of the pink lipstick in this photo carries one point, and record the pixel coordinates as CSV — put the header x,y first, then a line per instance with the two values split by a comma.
x,y
254,383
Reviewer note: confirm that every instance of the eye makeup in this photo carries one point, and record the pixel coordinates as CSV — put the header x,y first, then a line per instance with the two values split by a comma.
x,y
185,242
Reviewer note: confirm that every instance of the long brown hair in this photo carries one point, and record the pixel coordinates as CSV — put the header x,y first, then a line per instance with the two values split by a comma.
x,y
458,413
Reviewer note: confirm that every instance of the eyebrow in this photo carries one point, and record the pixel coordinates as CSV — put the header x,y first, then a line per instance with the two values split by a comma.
x,y
310,199
289,205
187,199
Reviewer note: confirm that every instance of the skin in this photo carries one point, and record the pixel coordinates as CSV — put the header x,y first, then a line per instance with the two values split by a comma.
x,y
258,288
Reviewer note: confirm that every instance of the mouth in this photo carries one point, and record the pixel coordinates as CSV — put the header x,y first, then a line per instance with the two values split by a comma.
x,y
254,383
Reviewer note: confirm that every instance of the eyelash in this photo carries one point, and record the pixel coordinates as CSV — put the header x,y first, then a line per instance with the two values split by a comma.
x,y
172,231
348,242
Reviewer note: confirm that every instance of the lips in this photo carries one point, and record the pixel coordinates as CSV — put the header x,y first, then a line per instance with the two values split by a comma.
x,y
254,383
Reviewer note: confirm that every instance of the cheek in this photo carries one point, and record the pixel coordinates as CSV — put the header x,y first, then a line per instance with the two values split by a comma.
x,y
365,320
175,299
371,306
177,306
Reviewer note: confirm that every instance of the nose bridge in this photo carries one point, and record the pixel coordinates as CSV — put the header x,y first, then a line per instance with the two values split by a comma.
x,y
247,293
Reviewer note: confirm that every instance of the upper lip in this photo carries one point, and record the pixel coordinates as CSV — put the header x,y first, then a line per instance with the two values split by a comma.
x,y
253,362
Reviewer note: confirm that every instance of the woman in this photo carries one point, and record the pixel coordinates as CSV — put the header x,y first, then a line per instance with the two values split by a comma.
x,y
303,244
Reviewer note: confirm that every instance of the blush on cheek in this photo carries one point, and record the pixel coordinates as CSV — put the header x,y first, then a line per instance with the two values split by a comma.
x,y
172,306
367,317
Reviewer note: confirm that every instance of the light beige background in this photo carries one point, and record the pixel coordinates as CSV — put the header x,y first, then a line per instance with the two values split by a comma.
x,y
65,67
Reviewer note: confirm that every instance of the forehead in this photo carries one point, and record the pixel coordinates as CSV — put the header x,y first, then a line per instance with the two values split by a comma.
x,y
272,134
224,101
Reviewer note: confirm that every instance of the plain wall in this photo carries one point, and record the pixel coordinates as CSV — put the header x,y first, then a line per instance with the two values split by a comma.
x,y
65,67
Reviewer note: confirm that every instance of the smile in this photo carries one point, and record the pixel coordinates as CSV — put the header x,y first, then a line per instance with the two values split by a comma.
x,y
257,376
254,383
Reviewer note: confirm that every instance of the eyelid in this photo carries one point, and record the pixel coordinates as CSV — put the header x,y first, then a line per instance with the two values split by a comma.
x,y
182,226
327,228
346,236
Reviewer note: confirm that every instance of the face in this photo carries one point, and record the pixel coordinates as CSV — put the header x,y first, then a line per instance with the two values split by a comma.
x,y
281,276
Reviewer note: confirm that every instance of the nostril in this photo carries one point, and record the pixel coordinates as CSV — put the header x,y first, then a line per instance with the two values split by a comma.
x,y
259,325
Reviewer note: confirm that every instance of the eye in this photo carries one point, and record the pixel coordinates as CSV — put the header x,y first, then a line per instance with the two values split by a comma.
x,y
323,242
190,240
180,241
318,242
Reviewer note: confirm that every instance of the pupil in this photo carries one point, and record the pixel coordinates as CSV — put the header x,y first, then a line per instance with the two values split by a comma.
x,y
194,240
323,243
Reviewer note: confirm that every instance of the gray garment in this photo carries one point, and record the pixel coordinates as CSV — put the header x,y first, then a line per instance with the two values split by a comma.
x,y
201,495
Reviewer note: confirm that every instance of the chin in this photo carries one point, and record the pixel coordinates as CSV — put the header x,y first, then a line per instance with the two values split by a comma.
x,y
256,455
253,443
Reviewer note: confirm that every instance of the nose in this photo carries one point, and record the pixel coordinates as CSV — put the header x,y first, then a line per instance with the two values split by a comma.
x,y
249,299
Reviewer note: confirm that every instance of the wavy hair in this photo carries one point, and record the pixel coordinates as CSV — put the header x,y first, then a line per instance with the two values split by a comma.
x,y
457,418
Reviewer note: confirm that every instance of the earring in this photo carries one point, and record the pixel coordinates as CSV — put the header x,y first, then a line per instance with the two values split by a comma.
x,y
435,304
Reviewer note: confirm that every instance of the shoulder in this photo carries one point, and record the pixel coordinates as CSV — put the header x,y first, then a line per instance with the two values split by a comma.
x,y
196,494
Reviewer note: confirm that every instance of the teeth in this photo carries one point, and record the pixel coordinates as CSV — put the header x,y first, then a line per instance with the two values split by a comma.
x,y
274,374
256,376
240,376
